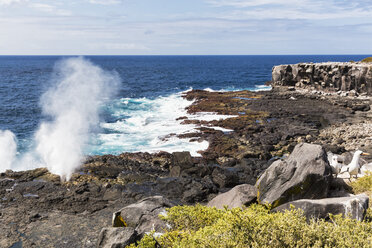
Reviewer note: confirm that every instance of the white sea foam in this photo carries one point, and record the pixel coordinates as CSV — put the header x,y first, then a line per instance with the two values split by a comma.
x,y
262,88
152,125
209,116
225,130
209,89
72,106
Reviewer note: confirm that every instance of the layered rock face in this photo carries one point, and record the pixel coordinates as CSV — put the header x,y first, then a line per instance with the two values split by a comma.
x,y
331,76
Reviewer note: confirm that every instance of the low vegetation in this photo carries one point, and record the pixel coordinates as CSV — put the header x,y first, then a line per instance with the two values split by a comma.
x,y
256,226
367,60
363,185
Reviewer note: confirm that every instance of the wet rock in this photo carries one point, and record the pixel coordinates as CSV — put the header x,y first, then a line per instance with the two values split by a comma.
x,y
116,237
354,207
143,215
241,195
304,174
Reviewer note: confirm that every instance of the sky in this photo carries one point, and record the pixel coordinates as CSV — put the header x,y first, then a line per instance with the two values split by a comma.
x,y
185,27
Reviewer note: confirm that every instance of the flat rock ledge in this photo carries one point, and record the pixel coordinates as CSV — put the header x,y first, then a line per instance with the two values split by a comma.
x,y
241,195
330,76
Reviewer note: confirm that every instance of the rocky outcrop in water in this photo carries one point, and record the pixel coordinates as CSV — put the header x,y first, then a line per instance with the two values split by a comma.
x,y
331,76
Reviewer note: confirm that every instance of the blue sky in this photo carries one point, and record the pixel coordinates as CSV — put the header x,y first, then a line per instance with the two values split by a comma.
x,y
186,27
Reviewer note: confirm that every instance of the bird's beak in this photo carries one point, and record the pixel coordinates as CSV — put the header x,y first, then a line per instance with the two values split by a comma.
x,y
365,154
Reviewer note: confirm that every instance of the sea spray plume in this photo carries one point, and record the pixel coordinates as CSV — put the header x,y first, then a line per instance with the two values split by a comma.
x,y
72,105
8,149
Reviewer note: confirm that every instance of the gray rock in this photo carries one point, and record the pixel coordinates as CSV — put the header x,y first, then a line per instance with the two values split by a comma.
x,y
306,173
113,237
366,168
241,195
144,215
353,206
332,76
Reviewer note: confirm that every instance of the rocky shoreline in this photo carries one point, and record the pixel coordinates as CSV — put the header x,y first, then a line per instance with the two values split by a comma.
x,y
38,210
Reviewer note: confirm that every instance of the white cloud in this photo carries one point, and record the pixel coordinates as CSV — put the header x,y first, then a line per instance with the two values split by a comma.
x,y
105,2
47,8
294,9
120,46
8,2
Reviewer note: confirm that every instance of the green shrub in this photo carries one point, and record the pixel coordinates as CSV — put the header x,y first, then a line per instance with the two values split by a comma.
x,y
192,217
367,60
363,184
256,226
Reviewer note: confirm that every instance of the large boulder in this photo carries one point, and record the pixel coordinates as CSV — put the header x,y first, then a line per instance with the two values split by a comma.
x,y
144,215
241,195
354,207
305,174
113,237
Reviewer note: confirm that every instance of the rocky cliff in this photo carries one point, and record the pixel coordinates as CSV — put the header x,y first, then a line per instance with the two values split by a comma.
x,y
330,76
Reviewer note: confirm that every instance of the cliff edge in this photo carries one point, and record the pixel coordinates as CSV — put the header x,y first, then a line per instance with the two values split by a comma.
x,y
330,76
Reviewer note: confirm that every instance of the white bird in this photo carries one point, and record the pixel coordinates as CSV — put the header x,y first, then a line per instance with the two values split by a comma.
x,y
353,167
336,166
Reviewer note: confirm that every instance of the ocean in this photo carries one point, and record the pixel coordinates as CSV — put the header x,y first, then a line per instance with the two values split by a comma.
x,y
146,100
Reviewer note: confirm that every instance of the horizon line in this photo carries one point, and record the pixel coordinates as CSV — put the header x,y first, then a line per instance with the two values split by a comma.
x,y
331,54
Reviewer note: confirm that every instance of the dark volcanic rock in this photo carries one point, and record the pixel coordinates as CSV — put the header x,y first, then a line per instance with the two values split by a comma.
x,y
241,195
182,159
180,162
354,207
225,177
304,174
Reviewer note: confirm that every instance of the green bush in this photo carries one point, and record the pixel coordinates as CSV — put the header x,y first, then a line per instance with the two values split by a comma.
x,y
363,184
367,60
256,226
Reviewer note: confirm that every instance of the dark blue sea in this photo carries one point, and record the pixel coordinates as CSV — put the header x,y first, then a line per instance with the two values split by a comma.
x,y
142,111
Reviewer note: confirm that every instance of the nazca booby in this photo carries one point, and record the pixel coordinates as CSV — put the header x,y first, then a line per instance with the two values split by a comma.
x,y
353,167
336,166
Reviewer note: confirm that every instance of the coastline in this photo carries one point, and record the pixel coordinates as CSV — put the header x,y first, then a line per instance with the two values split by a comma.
x,y
267,125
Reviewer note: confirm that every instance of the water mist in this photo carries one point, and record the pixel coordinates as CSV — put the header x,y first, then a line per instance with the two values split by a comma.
x,y
71,107
8,149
